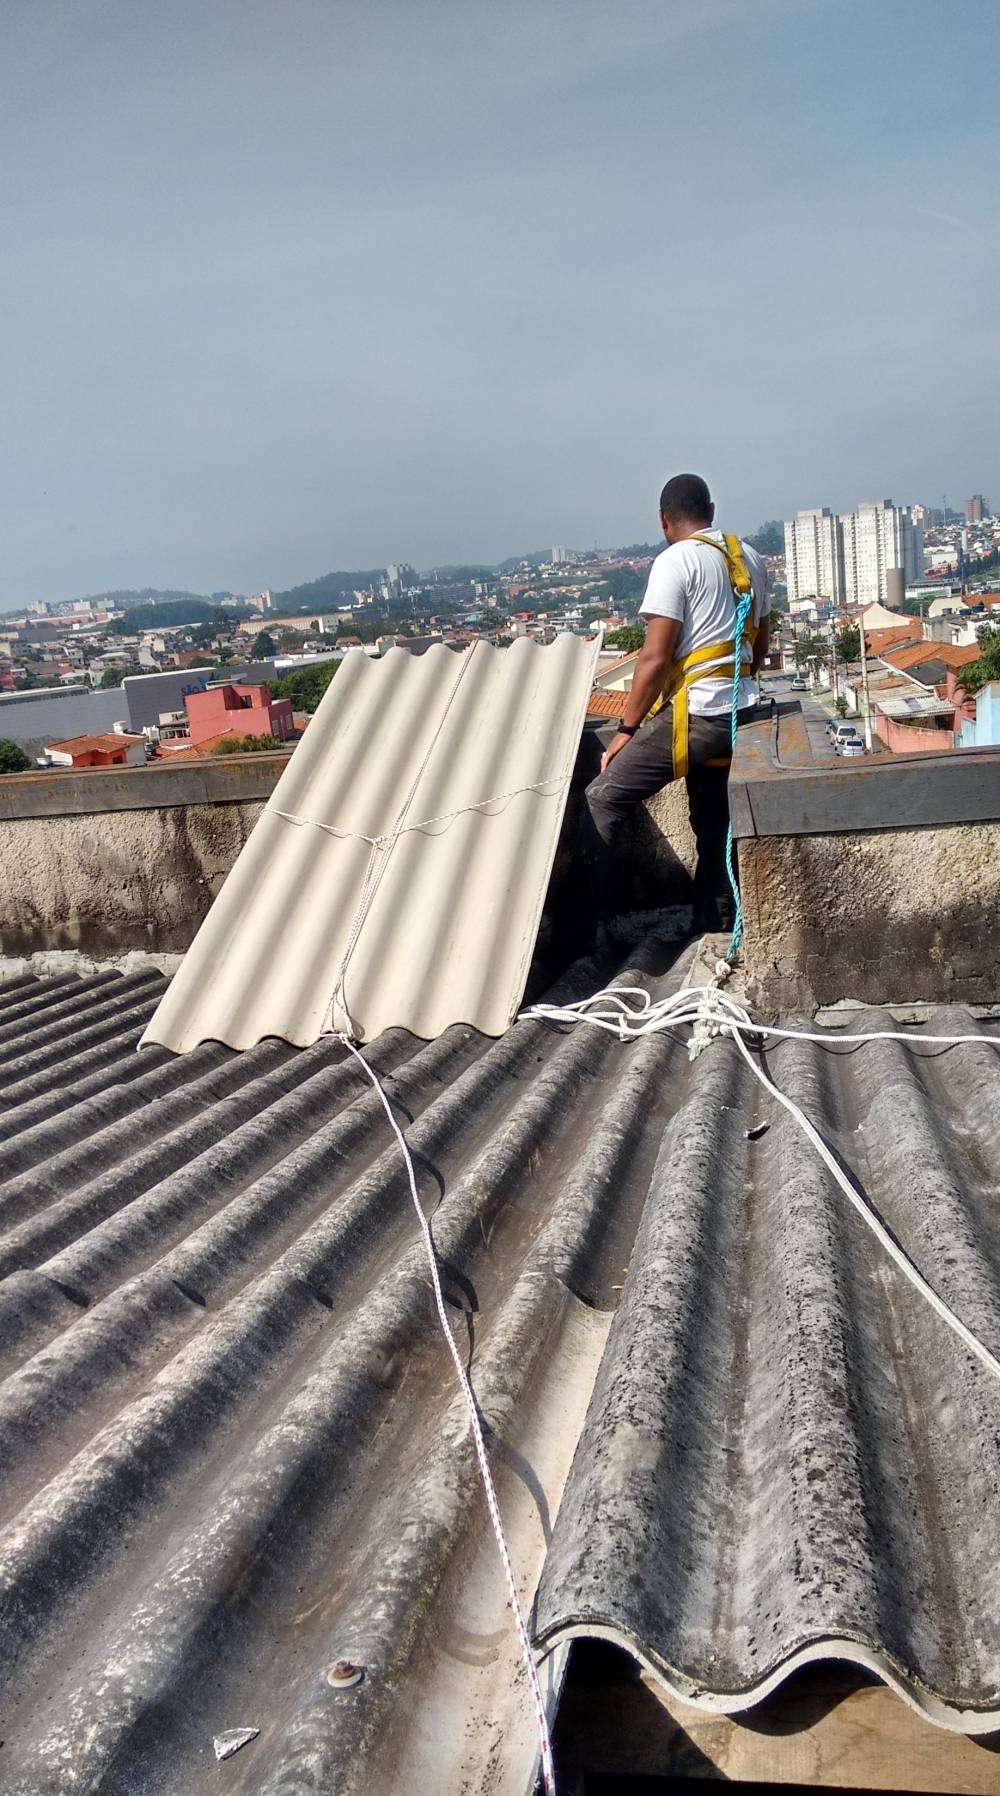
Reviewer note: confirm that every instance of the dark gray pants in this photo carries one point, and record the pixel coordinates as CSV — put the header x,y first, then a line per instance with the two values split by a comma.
x,y
645,766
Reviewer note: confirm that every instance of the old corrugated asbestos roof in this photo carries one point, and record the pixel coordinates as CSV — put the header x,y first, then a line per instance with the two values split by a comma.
x,y
471,756
726,1433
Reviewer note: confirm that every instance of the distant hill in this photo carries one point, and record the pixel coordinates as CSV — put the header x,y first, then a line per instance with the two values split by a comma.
x,y
150,595
329,591
536,557
163,613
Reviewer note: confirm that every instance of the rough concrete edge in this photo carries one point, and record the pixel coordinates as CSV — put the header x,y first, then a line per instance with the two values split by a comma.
x,y
839,1015
50,963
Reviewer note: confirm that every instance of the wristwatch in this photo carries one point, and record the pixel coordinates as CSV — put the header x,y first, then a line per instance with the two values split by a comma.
x,y
627,729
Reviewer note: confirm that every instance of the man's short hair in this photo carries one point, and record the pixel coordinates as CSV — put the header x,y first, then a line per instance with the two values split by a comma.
x,y
686,498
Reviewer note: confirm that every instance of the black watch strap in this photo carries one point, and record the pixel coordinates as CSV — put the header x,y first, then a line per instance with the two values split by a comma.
x,y
627,729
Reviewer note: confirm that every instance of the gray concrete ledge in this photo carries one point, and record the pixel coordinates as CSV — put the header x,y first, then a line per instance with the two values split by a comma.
x,y
779,788
226,779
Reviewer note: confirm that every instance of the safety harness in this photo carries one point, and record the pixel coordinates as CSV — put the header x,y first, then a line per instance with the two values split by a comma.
x,y
710,662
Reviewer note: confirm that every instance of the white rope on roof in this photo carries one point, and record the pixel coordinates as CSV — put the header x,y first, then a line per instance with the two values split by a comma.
x,y
629,1012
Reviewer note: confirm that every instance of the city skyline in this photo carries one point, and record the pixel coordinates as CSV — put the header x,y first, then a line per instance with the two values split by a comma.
x,y
304,287
569,551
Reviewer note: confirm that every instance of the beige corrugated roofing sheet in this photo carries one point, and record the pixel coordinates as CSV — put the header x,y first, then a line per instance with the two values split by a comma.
x,y
448,937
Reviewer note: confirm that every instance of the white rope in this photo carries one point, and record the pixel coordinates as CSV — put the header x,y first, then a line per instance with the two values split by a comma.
x,y
544,1739
629,1012
389,836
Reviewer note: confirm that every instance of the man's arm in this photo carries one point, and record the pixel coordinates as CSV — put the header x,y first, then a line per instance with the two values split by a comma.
x,y
760,647
651,669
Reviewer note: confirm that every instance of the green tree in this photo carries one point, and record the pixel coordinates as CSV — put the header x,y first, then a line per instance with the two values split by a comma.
x,y
246,745
263,647
113,676
305,686
769,538
848,643
625,586
12,758
810,648
840,706
629,638
980,673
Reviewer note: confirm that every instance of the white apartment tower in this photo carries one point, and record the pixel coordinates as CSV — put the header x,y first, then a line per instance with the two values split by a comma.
x,y
814,562
877,537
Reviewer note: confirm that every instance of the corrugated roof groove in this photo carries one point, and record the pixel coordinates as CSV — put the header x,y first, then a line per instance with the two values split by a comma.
x,y
64,996
387,1616
22,1037
497,1075
115,1030
204,1223
237,1454
20,985
249,1128
188,1266
395,1588
37,1131
81,1076
386,1321
801,1434
106,1157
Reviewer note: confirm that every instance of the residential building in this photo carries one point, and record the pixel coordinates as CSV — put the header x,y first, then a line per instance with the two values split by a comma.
x,y
877,538
238,710
977,509
983,730
148,695
858,558
112,749
814,562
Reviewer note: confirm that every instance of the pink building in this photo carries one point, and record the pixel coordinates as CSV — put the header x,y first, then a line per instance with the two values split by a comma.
x,y
239,711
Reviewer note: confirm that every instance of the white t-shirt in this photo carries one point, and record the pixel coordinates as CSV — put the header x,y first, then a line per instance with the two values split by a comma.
x,y
689,581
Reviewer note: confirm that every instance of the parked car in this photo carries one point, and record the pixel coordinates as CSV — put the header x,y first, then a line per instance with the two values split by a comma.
x,y
798,686
838,729
850,747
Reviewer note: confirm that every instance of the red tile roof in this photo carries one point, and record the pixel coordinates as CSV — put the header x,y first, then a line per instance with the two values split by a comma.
x,y
880,640
919,652
607,704
89,745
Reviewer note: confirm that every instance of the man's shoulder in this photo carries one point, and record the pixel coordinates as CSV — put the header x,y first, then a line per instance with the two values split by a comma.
x,y
752,557
683,555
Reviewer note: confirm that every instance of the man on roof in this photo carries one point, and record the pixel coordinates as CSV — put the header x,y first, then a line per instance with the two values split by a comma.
x,y
678,715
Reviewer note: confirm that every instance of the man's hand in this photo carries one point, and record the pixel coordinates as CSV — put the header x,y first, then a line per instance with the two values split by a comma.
x,y
619,741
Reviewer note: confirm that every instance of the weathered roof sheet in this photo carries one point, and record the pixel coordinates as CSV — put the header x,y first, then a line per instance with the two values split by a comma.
x,y
914,704
231,1446
483,745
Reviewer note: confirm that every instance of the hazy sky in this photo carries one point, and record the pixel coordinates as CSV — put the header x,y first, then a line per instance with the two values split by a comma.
x,y
291,285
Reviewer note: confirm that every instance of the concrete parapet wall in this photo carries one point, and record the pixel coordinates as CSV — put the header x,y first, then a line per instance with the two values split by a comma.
x,y
116,880
883,917
121,859
127,858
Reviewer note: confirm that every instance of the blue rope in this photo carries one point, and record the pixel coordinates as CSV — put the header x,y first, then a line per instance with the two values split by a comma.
x,y
742,614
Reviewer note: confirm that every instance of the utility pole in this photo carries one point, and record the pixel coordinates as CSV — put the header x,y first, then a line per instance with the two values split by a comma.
x,y
864,684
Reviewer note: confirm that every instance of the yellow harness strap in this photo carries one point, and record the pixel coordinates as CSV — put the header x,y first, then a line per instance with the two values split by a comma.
x,y
706,663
